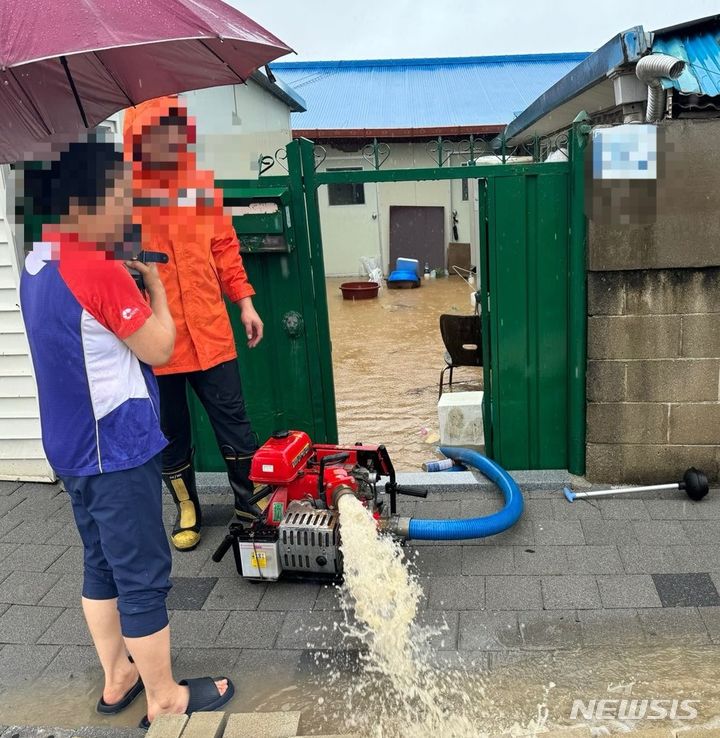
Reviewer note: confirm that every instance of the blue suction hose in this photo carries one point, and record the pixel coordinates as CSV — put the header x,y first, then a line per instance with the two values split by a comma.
x,y
489,525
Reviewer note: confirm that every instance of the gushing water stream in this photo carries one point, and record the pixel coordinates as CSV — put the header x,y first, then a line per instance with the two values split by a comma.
x,y
408,695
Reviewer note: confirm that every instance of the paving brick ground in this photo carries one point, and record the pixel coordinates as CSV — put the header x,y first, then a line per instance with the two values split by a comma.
x,y
567,576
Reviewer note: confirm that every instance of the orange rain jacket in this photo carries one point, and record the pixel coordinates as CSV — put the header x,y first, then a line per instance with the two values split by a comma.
x,y
181,214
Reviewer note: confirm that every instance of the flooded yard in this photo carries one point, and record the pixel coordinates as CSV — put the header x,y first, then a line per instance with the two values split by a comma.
x,y
387,357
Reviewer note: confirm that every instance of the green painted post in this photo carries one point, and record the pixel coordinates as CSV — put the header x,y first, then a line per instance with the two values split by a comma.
x,y
577,318
307,159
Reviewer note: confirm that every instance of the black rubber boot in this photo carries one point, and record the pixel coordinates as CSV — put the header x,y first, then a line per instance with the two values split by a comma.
x,y
181,484
238,468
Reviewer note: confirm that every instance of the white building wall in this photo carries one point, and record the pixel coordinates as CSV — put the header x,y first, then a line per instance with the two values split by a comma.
x,y
236,125
21,453
352,231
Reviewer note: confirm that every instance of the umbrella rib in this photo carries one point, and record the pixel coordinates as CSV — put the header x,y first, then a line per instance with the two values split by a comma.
x,y
47,128
220,59
64,63
112,77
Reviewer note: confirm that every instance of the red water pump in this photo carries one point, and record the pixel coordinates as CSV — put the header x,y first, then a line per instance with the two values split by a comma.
x,y
298,533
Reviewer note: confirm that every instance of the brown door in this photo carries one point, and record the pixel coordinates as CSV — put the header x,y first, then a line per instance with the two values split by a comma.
x,y
417,232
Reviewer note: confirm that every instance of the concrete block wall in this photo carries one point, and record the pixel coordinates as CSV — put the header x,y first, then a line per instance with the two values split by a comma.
x,y
653,386
653,374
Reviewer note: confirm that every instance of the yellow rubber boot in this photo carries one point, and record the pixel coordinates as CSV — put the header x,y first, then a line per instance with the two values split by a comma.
x,y
181,484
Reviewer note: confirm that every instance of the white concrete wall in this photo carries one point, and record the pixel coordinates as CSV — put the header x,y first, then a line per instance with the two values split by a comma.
x,y
236,125
352,231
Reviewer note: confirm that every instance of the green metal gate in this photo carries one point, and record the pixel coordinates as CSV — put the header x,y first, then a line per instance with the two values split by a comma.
x,y
532,294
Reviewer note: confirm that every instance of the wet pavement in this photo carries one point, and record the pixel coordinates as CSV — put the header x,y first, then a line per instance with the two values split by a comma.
x,y
387,357
575,600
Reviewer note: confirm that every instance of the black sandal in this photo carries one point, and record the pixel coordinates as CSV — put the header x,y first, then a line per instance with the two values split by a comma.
x,y
113,709
204,696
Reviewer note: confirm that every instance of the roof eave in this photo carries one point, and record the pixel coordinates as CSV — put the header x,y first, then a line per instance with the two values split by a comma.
x,y
621,50
281,91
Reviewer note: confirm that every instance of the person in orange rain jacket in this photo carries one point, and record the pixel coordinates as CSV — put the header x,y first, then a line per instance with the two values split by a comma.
x,y
181,214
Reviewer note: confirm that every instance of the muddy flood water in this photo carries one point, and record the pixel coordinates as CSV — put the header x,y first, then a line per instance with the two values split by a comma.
x,y
387,357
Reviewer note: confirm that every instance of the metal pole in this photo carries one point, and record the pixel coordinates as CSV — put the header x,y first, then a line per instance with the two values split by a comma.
x,y
577,303
625,490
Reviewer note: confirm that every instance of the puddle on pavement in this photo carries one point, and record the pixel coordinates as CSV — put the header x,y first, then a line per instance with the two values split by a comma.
x,y
507,691
387,357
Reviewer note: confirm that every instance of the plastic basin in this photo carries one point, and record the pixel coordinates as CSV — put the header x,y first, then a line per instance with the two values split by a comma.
x,y
359,290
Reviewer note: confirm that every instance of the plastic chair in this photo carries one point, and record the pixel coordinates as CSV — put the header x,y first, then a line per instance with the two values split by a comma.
x,y
462,336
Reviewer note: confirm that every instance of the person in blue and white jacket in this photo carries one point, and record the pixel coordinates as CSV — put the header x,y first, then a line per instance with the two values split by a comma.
x,y
93,338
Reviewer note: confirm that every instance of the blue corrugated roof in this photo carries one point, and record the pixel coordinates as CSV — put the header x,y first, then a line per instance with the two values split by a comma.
x,y
420,93
700,48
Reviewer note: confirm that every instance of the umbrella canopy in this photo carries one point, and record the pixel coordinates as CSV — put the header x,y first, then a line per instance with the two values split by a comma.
x,y
66,65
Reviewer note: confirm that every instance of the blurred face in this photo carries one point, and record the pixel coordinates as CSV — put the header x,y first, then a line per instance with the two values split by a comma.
x,y
110,221
163,144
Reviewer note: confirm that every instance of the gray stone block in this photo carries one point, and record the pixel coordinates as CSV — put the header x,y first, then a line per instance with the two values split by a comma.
x,y
475,508
686,590
541,560
34,507
33,557
443,626
628,509
513,593
286,596
661,533
457,593
251,630
641,559
630,591
581,509
329,598
36,532
7,488
199,662
682,624
601,532
26,588
694,423
480,560
559,533
189,593
315,630
263,725
22,624
647,464
24,663
623,422
545,630
71,562
711,619
693,559
485,630
73,661
606,380
593,560
570,592
521,534
701,531
662,291
235,593
611,628
198,563
634,337
667,380
700,335
167,726
66,593
69,629
196,629
205,725
681,508
436,560
444,509
32,731
606,293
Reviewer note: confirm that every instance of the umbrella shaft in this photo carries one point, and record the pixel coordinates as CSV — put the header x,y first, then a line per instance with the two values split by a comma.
x,y
623,490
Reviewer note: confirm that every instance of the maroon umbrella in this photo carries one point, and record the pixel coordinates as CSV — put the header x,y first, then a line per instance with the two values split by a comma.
x,y
69,64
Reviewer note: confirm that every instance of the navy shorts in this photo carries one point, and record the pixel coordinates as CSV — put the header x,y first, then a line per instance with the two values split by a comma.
x,y
119,516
